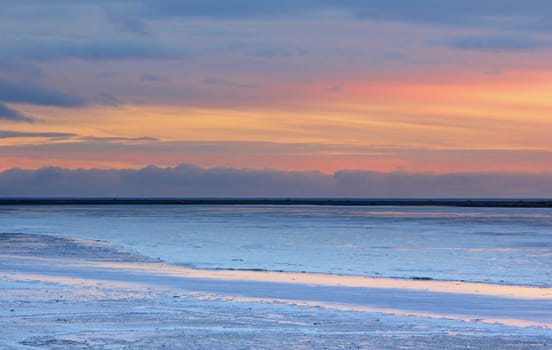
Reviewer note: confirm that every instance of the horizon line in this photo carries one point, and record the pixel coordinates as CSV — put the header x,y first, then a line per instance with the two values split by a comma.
x,y
284,201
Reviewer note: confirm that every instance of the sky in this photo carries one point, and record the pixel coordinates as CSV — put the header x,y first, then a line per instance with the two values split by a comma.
x,y
426,88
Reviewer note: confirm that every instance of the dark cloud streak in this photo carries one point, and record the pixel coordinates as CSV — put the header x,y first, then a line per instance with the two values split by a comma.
x,y
228,83
8,134
498,43
117,139
5,134
152,78
91,50
107,99
10,114
37,95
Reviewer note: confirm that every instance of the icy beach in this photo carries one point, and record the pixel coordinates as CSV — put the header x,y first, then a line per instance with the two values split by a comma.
x,y
148,278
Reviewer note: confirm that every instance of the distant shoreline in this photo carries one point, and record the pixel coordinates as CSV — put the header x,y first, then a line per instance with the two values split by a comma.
x,y
475,203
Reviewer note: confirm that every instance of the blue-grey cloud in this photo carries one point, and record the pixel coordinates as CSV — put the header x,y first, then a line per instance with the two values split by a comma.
x,y
498,43
107,99
228,83
94,49
107,75
129,24
19,71
395,56
37,95
151,78
464,13
11,114
528,14
228,9
6,134
265,50
191,181
269,52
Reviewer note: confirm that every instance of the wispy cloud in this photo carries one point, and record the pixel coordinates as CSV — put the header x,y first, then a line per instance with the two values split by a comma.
x,y
139,150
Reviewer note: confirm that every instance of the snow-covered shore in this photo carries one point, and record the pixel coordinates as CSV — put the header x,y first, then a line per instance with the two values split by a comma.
x,y
63,293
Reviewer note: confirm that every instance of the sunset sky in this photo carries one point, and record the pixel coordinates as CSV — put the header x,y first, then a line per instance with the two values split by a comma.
x,y
425,86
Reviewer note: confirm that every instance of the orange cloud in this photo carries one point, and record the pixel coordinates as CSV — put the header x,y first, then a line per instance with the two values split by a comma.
x,y
510,112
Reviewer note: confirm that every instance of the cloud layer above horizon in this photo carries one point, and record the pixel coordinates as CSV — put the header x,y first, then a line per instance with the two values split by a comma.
x,y
306,85
189,181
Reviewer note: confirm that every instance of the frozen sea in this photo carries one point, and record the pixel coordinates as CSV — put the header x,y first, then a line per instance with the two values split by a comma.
x,y
491,245
274,277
